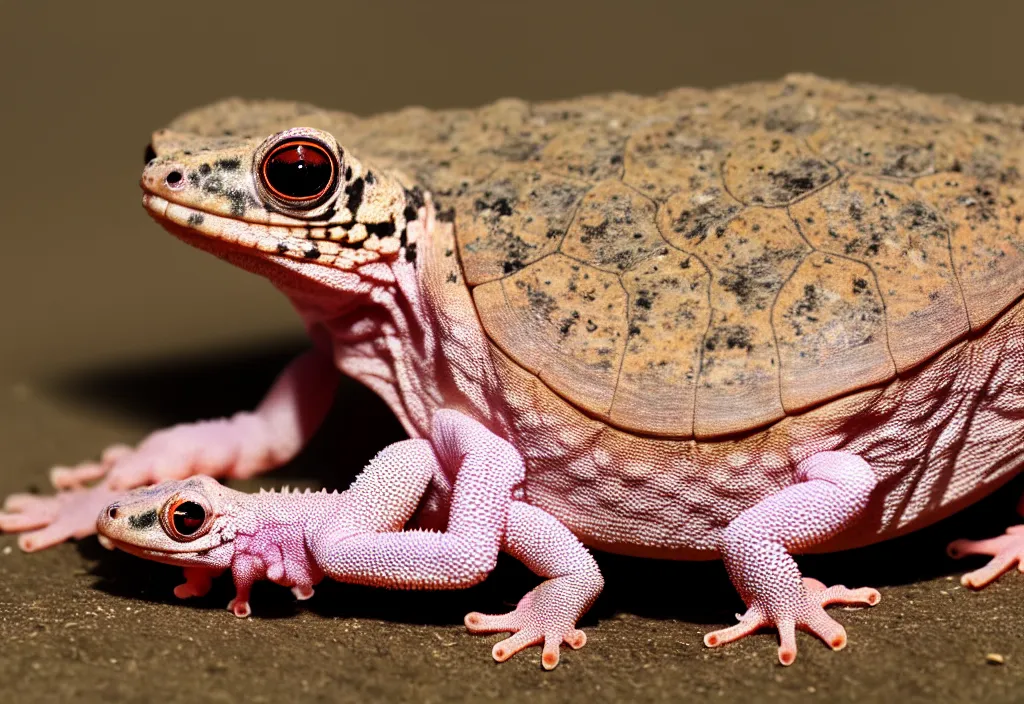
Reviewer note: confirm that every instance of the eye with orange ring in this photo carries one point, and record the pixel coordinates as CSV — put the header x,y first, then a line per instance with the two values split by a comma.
x,y
185,520
298,172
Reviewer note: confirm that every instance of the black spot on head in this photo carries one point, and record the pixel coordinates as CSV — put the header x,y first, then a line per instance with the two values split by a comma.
x,y
193,178
205,169
213,185
311,252
282,248
370,178
227,164
410,252
143,521
354,195
348,173
414,199
381,229
195,220
237,199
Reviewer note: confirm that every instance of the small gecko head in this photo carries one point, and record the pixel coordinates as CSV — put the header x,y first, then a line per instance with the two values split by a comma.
x,y
178,522
294,198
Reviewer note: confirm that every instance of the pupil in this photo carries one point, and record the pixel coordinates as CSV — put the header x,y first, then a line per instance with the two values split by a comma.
x,y
188,517
299,171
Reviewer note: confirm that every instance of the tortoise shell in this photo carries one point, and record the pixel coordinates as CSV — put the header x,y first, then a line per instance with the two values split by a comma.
x,y
701,263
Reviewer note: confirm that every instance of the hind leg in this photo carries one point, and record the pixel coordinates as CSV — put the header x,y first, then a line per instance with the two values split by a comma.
x,y
241,446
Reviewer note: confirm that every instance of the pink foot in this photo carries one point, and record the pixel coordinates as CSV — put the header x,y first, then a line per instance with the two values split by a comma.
x,y
544,615
47,520
810,617
1006,551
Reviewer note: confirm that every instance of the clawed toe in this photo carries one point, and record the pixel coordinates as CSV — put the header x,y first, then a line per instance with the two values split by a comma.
x,y
812,619
526,632
1006,551
240,608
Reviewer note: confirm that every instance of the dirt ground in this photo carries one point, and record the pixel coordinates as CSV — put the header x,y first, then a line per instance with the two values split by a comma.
x,y
111,329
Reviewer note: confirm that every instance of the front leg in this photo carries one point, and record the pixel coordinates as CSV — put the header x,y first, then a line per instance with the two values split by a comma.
x,y
833,491
238,447
366,546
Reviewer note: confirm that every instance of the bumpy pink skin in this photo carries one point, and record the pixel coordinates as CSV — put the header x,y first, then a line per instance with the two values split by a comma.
x,y
917,450
356,536
833,492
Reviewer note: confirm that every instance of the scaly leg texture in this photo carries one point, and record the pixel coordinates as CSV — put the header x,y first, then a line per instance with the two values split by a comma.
x,y
240,446
1006,552
548,614
362,544
833,491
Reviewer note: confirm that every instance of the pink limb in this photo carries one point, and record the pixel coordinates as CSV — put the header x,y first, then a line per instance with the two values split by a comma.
x,y
833,490
47,520
238,447
366,546
548,614
198,582
1006,551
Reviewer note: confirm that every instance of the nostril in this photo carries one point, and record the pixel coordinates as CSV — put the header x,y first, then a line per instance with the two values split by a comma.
x,y
175,179
112,512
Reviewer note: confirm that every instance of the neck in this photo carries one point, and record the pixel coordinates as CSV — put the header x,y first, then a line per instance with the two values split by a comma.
x,y
381,324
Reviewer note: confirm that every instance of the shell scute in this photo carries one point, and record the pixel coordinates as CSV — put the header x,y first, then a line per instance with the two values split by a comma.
x,y
905,242
829,321
565,322
668,316
986,217
517,216
774,169
614,229
750,259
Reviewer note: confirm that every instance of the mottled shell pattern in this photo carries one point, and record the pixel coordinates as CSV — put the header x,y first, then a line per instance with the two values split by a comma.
x,y
700,263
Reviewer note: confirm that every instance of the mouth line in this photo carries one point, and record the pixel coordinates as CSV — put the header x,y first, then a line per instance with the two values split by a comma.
x,y
307,244
148,552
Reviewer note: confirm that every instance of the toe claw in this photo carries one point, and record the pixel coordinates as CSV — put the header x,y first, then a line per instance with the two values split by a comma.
x,y
239,608
811,617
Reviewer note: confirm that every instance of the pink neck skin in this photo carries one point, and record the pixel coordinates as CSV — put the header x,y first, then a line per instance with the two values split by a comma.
x,y
375,323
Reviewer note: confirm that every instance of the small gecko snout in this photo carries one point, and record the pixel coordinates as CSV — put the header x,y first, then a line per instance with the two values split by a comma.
x,y
162,177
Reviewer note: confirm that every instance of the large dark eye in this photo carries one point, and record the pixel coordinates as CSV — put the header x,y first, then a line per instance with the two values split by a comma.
x,y
298,171
187,517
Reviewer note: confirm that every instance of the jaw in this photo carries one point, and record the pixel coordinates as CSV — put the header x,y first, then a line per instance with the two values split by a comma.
x,y
266,251
212,557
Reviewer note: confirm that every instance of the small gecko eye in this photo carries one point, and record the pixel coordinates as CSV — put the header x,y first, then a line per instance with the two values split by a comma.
x,y
187,517
298,171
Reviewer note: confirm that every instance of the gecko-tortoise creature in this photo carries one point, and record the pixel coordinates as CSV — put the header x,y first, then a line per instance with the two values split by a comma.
x,y
746,323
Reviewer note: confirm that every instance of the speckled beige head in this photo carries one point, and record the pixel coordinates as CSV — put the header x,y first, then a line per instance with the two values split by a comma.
x,y
292,193
693,264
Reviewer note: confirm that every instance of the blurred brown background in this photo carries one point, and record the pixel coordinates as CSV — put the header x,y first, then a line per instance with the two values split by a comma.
x,y
110,328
